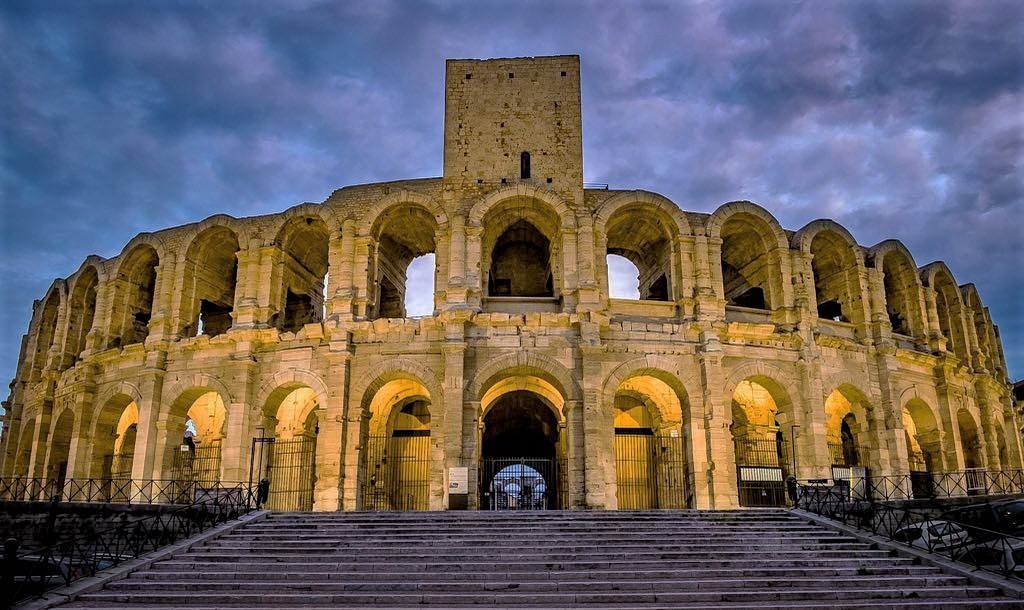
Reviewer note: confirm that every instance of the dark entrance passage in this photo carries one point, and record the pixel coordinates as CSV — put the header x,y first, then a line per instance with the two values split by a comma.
x,y
521,466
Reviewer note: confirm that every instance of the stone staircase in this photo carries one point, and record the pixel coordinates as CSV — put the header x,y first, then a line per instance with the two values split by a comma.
x,y
708,559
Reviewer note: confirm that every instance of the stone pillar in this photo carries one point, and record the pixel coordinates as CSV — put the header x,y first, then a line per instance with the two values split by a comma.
x,y
474,273
341,258
80,450
148,462
330,447
720,473
952,453
598,434
39,437
447,451
457,279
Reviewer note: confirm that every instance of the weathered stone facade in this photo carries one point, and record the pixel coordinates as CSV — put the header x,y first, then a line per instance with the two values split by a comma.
x,y
744,331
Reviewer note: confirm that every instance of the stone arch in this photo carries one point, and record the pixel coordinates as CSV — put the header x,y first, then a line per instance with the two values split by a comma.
x,y
970,439
210,277
46,325
901,286
398,230
761,416
23,466
288,380
81,309
134,295
753,261
644,199
400,198
836,262
657,366
645,229
949,307
844,401
298,297
543,366
979,317
174,414
923,433
519,191
58,445
112,403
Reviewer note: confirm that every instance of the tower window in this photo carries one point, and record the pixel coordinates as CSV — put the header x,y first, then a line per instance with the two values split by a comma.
x,y
524,165
563,72
469,76
511,75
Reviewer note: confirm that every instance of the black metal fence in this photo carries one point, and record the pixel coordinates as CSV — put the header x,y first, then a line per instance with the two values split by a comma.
x,y
979,547
107,491
762,466
918,485
650,470
523,484
36,570
197,463
289,467
396,471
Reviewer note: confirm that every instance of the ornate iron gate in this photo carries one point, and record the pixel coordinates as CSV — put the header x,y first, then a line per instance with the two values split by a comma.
x,y
650,470
289,465
762,466
396,472
522,484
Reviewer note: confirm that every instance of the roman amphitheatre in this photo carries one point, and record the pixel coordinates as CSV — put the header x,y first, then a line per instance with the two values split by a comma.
x,y
279,347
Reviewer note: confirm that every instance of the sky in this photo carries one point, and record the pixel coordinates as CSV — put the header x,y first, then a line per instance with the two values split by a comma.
x,y
897,119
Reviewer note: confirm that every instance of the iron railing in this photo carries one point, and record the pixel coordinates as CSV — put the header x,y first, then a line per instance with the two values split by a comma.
x,y
106,491
31,572
920,528
650,470
919,485
396,471
527,483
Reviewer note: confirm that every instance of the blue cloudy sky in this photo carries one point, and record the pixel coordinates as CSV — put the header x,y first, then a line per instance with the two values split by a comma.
x,y
898,119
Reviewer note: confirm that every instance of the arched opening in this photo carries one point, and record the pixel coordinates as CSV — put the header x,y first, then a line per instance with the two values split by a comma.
x,y
60,448
521,263
289,462
136,288
23,458
520,450
113,440
970,440
303,272
751,276
83,311
761,426
981,327
403,234
835,276
46,333
901,300
849,433
924,446
644,238
650,456
211,270
195,429
948,306
396,456
524,165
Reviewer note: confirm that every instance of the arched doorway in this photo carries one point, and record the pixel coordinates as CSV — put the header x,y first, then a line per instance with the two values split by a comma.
x,y
59,450
975,477
520,454
285,454
196,445
650,456
395,469
761,427
924,446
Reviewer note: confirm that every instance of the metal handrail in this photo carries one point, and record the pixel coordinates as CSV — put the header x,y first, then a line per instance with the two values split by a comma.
x,y
927,485
104,490
32,572
980,548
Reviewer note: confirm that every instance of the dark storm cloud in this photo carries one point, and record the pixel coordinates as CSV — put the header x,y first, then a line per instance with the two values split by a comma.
x,y
897,119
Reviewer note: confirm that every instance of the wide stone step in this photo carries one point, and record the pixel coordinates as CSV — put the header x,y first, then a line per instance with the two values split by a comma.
x,y
518,547
164,571
275,599
633,584
576,563
870,604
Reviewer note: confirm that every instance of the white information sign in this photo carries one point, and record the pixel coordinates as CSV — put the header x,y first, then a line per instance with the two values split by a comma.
x,y
458,480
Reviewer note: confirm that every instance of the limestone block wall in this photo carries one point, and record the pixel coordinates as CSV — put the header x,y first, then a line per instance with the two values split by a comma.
x,y
939,388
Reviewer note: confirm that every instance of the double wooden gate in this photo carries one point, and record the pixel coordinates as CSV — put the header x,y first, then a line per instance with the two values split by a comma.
x,y
289,467
650,470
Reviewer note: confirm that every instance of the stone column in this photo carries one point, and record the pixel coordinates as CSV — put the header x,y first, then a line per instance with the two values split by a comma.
x,y
151,440
598,433
330,446
448,451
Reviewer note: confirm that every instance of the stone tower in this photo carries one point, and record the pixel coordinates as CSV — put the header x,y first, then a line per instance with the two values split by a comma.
x,y
508,120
